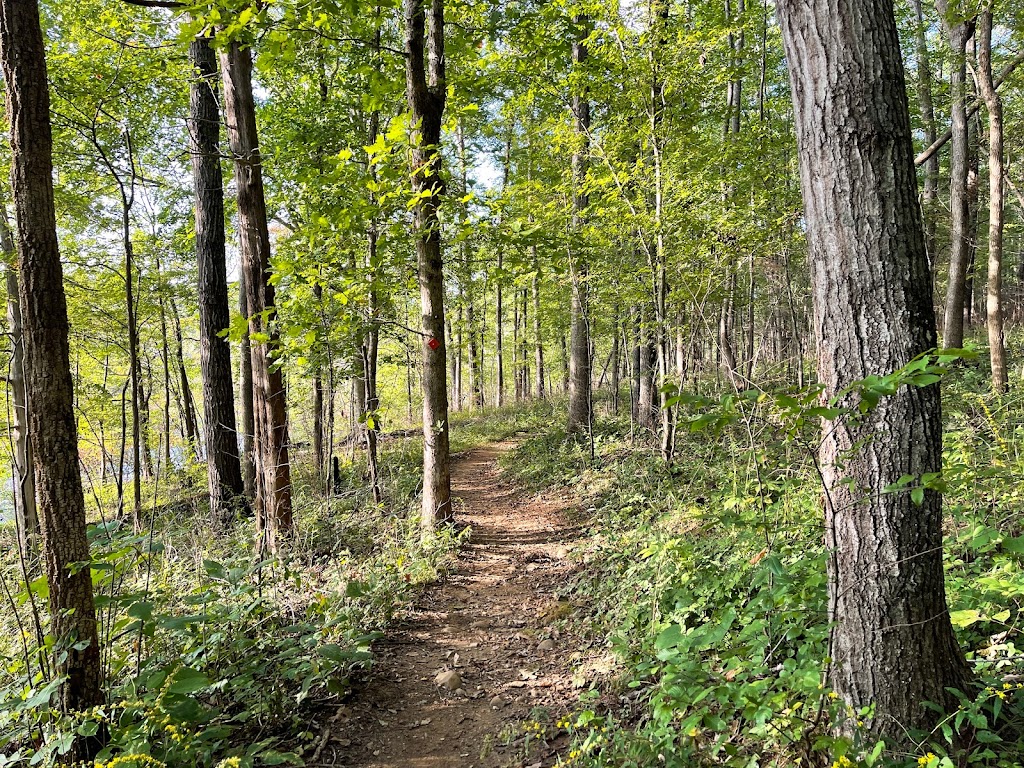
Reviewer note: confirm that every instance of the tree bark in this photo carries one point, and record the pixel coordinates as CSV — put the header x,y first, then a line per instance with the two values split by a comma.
x,y
580,404
892,643
426,91
538,338
953,323
273,471
248,455
996,210
52,423
22,476
926,105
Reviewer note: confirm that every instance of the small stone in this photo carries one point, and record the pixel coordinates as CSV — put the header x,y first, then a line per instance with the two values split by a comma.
x,y
448,679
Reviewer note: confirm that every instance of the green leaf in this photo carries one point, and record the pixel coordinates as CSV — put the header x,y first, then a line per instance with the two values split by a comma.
x,y
188,680
965,618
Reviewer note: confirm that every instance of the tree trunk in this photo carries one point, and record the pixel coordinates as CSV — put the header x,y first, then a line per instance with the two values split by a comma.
x,y
426,91
994,294
538,338
960,236
188,403
273,471
22,476
580,404
248,455
52,423
931,166
892,644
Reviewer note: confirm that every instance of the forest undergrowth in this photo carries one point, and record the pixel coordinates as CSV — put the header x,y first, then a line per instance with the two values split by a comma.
x,y
707,579
216,655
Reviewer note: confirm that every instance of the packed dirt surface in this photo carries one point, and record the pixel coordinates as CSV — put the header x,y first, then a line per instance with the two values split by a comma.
x,y
464,679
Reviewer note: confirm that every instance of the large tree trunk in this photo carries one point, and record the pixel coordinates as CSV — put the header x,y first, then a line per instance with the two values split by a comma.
x,y
960,235
273,471
425,89
579,336
892,644
52,423
224,469
994,295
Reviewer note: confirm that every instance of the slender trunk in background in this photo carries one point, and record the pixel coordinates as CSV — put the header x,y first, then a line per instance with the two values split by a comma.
x,y
52,422
248,455
892,644
319,444
615,361
22,476
517,379
725,333
523,345
748,329
499,309
371,341
925,86
659,22
189,417
580,404
165,360
426,91
958,33
273,476
140,447
996,213
224,469
565,359
538,338
973,195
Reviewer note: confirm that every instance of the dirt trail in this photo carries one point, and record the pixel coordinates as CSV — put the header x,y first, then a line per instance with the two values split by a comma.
x,y
491,622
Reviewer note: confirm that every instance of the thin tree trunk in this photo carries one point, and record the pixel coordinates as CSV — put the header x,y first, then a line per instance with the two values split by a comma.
x,y
248,456
953,323
996,212
274,490
426,91
22,476
188,403
538,338
52,423
580,415
926,105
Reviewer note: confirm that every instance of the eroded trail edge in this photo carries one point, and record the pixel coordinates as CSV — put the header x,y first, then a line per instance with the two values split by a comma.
x,y
458,682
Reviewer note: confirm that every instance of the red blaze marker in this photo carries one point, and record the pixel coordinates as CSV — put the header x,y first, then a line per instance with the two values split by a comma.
x,y
434,344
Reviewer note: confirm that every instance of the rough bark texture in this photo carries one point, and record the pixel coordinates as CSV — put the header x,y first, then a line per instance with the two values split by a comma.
x,y
959,255
994,294
892,644
273,472
425,90
221,437
51,416
579,334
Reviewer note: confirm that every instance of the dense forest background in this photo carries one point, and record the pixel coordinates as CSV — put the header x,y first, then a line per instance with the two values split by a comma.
x,y
295,233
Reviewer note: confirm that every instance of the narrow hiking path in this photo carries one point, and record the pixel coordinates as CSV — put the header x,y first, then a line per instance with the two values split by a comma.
x,y
459,681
